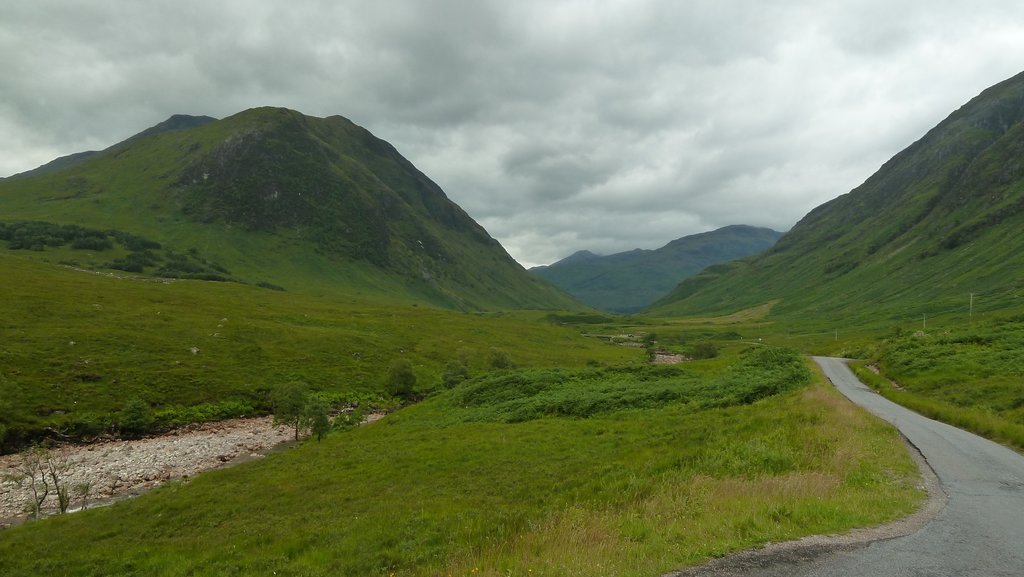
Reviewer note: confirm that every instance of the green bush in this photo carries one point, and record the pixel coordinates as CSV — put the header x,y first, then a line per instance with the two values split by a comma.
x,y
136,418
525,395
455,372
400,379
499,359
703,351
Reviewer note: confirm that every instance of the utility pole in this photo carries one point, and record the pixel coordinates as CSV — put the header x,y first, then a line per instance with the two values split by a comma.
x,y
971,315
924,322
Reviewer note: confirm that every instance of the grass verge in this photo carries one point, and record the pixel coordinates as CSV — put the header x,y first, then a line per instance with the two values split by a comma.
x,y
981,421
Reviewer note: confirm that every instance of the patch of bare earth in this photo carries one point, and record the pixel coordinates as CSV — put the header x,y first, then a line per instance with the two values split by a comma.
x,y
663,358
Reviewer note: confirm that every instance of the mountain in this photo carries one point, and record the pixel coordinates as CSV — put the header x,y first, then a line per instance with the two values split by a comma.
x,y
175,122
272,197
628,281
936,229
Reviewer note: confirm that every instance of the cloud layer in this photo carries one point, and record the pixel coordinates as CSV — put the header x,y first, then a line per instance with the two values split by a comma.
x,y
604,125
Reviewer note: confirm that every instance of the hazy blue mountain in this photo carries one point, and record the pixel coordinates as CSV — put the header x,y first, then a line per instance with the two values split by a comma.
x,y
629,281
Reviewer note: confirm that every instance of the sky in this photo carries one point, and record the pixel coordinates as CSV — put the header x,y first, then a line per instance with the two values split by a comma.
x,y
559,126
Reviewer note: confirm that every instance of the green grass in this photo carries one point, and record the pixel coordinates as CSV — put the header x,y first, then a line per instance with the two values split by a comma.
x,y
632,485
77,346
970,377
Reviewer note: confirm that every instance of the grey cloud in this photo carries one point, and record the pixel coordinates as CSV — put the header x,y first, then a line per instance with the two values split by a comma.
x,y
558,125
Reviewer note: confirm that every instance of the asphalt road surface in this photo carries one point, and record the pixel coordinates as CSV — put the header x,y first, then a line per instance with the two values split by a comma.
x,y
979,532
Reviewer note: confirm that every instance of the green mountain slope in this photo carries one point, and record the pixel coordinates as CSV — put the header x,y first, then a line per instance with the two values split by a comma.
x,y
628,281
77,346
936,223
275,197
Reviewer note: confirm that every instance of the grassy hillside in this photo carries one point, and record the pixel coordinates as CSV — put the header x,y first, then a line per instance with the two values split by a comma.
x,y
78,345
935,224
617,471
968,375
629,281
273,196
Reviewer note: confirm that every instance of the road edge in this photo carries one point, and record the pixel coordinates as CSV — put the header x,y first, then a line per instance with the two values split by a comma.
x,y
807,551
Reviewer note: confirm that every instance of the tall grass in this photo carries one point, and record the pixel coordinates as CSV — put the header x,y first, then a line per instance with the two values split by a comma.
x,y
448,487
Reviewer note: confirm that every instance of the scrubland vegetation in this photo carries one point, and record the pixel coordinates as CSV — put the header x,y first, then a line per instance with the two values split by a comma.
x,y
971,376
615,470
79,346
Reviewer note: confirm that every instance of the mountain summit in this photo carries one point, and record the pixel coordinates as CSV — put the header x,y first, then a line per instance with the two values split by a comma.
x,y
937,223
287,200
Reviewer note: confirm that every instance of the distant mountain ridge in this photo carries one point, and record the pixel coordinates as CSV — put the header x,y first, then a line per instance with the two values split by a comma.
x,y
936,224
629,281
285,199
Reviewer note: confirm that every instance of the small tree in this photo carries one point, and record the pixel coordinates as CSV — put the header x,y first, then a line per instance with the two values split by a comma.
x,y
83,490
401,379
31,472
317,417
57,469
288,402
44,473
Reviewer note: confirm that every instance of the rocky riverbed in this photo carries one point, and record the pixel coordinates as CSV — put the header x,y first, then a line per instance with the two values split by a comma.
x,y
116,469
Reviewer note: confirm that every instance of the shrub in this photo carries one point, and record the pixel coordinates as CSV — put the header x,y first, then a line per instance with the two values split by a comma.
x,y
499,359
401,379
454,373
136,418
704,351
92,243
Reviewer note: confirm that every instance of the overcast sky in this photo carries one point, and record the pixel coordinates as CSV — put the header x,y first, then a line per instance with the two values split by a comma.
x,y
557,125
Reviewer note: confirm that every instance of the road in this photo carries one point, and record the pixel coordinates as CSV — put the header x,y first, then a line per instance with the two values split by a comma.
x,y
979,532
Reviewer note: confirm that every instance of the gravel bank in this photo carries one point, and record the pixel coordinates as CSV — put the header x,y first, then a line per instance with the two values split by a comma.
x,y
118,469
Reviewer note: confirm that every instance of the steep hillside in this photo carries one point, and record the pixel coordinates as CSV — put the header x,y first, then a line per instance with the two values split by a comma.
x,y
280,199
937,223
628,281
